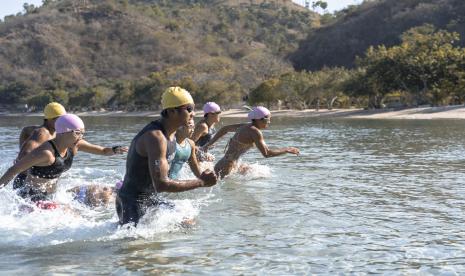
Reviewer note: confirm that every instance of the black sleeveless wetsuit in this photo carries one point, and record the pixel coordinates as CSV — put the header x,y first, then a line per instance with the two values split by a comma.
x,y
137,192
61,165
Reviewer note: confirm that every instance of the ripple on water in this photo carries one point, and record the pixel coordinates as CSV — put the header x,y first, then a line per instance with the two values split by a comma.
x,y
381,197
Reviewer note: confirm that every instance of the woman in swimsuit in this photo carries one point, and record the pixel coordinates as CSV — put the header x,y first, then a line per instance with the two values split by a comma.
x,y
185,152
32,137
205,129
245,137
45,164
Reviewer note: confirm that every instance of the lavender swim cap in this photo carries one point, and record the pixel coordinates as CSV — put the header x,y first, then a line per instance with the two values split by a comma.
x,y
211,107
67,123
258,112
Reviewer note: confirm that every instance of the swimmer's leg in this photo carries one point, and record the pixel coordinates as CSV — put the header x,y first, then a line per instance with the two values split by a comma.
x,y
128,210
244,169
224,167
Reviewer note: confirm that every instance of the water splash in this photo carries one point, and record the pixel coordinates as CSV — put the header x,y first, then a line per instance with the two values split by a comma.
x,y
251,171
26,225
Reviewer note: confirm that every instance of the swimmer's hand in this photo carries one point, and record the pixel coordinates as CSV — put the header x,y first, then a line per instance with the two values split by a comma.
x,y
208,157
293,150
209,178
204,156
205,147
119,149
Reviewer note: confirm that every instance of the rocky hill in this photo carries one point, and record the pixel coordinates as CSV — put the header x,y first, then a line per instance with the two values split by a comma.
x,y
374,22
70,44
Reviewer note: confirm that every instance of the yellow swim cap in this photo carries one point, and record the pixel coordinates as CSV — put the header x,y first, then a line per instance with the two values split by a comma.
x,y
53,110
175,96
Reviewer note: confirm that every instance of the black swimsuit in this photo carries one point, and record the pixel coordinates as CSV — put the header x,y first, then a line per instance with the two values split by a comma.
x,y
202,155
53,171
137,192
61,165
20,180
207,137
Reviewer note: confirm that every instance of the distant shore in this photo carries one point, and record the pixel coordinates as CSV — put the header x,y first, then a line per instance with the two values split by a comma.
x,y
423,113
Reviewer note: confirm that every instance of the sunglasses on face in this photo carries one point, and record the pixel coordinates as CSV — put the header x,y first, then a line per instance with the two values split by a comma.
x,y
266,119
188,108
78,133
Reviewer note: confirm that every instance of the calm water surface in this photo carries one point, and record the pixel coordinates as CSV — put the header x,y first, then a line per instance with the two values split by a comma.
x,y
364,197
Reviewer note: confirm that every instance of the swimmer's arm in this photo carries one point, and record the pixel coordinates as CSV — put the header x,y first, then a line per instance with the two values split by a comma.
x,y
28,161
199,131
221,133
155,145
267,152
193,164
85,146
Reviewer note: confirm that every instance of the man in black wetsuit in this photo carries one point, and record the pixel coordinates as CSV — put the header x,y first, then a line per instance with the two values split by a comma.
x,y
147,163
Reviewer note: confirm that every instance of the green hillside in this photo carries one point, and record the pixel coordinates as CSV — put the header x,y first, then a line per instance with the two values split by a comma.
x,y
108,49
373,23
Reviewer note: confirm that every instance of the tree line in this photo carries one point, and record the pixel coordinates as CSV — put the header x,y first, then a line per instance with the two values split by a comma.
x,y
426,68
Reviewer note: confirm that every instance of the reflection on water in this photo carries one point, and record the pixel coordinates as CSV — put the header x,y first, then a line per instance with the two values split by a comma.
x,y
374,196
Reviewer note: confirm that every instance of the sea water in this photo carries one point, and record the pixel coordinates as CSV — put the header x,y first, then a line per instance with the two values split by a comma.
x,y
364,196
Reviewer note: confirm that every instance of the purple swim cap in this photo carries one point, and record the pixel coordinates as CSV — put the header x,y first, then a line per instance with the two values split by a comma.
x,y
67,123
258,112
211,107
119,184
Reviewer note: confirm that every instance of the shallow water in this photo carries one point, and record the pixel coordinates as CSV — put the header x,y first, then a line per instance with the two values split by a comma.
x,y
364,196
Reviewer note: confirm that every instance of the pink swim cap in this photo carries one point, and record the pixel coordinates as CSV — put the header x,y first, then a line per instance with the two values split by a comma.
x,y
258,112
211,107
67,123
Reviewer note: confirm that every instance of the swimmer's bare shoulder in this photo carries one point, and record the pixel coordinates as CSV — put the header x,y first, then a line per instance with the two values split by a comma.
x,y
249,134
41,134
26,132
150,141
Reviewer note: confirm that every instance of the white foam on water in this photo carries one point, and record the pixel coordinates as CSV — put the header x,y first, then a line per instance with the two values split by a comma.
x,y
244,170
24,224
73,221
166,219
250,171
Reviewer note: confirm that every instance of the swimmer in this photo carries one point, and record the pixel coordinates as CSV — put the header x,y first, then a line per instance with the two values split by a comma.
x,y
32,137
148,160
185,152
245,137
93,195
45,164
205,129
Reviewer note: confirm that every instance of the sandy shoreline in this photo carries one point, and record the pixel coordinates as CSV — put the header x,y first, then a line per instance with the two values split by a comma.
x,y
423,113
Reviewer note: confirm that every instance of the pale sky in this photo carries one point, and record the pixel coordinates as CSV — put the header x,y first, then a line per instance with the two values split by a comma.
x,y
333,5
8,7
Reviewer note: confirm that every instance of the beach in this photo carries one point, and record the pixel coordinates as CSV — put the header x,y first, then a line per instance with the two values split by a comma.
x,y
422,113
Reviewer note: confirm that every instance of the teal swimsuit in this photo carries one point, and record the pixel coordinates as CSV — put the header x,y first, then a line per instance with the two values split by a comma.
x,y
183,153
